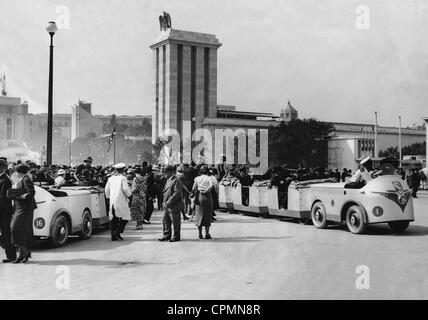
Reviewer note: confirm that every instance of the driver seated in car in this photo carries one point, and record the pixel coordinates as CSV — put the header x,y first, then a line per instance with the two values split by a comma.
x,y
363,175
364,172
59,180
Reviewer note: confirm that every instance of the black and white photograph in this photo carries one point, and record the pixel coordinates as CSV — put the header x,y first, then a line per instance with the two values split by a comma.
x,y
216,150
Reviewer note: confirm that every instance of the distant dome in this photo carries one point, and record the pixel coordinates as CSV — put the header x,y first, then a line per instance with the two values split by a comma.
x,y
290,107
289,113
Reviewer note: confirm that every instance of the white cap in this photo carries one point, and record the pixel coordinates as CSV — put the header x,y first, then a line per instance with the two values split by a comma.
x,y
365,160
60,172
119,166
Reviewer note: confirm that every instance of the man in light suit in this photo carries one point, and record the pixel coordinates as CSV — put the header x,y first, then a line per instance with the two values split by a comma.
x,y
172,205
118,191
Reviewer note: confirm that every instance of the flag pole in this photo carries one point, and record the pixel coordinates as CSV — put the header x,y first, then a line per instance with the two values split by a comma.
x,y
114,141
69,150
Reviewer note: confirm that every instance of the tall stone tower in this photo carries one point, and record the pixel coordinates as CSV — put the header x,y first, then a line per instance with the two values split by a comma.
x,y
185,80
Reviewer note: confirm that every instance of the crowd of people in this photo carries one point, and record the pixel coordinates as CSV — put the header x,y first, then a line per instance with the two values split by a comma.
x,y
187,191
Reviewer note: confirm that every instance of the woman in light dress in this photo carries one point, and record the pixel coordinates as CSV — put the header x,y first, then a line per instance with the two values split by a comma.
x,y
204,203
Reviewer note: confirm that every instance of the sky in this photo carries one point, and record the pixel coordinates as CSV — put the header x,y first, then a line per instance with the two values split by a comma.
x,y
308,51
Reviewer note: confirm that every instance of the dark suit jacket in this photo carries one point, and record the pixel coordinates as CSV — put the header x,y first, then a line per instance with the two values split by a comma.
x,y
29,203
221,171
173,194
191,173
150,180
5,184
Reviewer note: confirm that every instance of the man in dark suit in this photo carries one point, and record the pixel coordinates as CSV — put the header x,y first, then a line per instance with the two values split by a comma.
x,y
416,182
159,180
220,166
150,194
172,205
6,213
7,169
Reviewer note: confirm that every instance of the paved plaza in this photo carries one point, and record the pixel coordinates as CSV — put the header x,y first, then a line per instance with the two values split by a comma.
x,y
248,258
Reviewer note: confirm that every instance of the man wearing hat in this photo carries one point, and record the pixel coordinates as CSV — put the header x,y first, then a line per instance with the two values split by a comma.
x,y
160,180
9,166
6,213
85,172
172,205
182,177
60,180
4,159
363,175
118,191
150,193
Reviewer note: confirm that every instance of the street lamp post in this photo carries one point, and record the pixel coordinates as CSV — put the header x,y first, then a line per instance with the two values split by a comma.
x,y
51,29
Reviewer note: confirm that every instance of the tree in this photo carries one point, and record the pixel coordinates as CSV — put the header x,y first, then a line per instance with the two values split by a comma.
x,y
415,149
412,150
299,142
390,152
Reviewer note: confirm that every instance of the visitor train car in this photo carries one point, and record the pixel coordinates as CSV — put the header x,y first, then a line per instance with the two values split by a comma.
x,y
295,204
225,195
386,199
250,199
67,211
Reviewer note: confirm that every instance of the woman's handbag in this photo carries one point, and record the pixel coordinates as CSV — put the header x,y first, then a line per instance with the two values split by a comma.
x,y
15,193
197,198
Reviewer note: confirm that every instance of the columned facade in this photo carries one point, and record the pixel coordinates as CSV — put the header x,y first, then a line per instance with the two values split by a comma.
x,y
185,81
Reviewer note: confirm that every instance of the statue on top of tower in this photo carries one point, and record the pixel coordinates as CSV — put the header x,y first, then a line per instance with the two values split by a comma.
x,y
165,21
3,84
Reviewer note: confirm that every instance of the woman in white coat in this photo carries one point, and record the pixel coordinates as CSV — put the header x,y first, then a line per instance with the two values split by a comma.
x,y
118,191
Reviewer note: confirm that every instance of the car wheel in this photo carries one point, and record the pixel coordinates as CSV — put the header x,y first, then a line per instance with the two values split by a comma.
x,y
319,216
355,220
398,226
86,225
60,231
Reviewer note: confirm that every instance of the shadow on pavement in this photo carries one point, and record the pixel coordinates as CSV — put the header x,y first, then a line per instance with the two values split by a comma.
x,y
412,230
384,230
92,262
235,239
258,220
96,243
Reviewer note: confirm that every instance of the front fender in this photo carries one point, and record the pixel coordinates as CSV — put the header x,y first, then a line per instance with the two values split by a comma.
x,y
348,204
55,216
